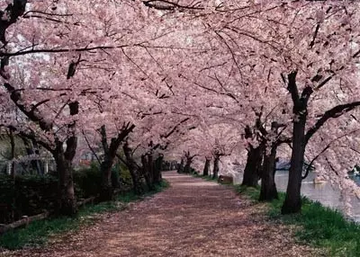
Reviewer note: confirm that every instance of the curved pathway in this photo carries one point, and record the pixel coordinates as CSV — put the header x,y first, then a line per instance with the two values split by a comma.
x,y
191,218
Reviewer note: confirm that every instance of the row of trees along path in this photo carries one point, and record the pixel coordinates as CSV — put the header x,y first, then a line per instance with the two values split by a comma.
x,y
191,218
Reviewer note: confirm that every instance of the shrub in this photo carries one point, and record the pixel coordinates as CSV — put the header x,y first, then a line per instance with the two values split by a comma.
x,y
87,181
26,195
32,194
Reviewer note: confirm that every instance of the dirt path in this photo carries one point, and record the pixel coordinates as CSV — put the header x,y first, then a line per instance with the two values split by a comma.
x,y
191,218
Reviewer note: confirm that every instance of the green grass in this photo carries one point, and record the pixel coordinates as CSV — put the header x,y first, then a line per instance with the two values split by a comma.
x,y
319,226
37,233
207,178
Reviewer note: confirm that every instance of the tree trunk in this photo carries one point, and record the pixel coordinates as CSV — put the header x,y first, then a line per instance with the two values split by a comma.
x,y
146,172
253,167
136,179
157,169
187,166
292,202
216,167
12,154
67,202
151,167
181,166
107,191
206,167
268,190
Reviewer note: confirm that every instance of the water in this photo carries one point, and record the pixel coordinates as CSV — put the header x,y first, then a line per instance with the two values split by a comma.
x,y
323,193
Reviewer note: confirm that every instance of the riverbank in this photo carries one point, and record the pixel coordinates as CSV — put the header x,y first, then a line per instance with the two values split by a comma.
x,y
317,225
324,193
39,233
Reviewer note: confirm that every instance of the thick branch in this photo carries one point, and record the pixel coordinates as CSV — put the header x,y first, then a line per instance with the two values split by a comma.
x,y
169,5
292,87
334,112
60,50
115,142
9,16
174,128
71,142
31,136
33,114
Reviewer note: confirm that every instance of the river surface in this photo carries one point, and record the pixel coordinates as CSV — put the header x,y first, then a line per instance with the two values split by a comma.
x,y
323,193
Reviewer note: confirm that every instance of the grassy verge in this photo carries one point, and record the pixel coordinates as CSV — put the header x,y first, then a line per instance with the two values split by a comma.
x,y
37,233
319,226
207,178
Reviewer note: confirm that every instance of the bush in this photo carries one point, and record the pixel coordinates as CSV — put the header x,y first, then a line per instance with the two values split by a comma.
x,y
32,194
27,195
126,182
87,181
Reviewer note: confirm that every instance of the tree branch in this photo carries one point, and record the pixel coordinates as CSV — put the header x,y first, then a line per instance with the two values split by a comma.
x,y
33,114
334,112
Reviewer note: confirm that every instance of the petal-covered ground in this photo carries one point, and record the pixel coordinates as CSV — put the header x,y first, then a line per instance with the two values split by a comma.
x,y
191,218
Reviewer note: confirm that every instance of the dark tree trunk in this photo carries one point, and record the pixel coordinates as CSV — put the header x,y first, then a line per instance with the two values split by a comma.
x,y
206,167
136,179
181,166
292,202
253,167
187,167
146,172
268,190
67,202
151,167
157,169
216,167
12,154
107,191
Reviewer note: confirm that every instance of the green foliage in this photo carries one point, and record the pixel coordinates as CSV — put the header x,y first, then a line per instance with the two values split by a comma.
x,y
32,194
253,193
209,178
87,181
125,177
160,187
26,195
37,233
319,226
193,171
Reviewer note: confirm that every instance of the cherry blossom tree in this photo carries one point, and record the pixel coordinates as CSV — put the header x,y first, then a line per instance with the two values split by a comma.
x,y
303,46
73,41
165,77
